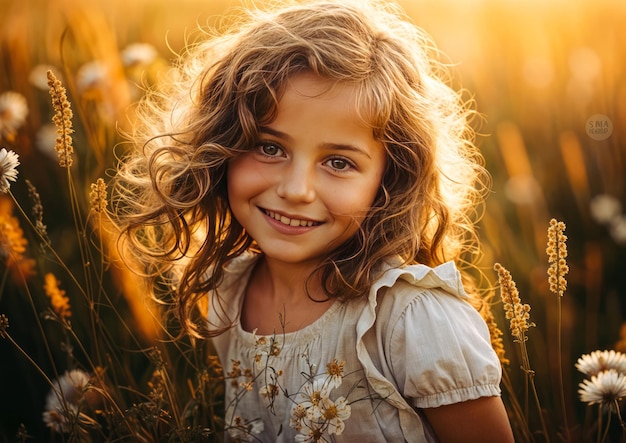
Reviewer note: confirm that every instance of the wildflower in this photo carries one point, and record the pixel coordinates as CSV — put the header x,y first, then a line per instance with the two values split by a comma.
x,y
557,253
522,189
599,361
46,139
62,120
13,243
22,434
8,169
495,334
620,346
516,312
98,196
13,112
618,229
604,208
62,402
38,76
606,388
37,211
91,76
138,54
59,301
4,325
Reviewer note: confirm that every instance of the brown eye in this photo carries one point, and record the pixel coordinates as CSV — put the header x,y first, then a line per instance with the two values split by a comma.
x,y
270,149
339,164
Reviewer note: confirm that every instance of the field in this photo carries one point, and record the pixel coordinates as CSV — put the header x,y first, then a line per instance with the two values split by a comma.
x,y
549,81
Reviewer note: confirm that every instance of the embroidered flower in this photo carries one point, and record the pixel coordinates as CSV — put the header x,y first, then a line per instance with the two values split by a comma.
x,y
315,414
606,389
8,169
241,429
13,112
598,361
298,418
265,347
312,434
334,413
269,391
314,392
334,370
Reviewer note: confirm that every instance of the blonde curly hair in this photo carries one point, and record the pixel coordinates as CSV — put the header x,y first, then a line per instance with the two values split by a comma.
x,y
171,189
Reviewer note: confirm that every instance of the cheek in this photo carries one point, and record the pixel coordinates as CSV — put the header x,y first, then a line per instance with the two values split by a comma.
x,y
241,177
352,204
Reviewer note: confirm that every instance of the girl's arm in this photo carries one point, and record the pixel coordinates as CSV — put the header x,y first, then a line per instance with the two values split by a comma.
x,y
482,420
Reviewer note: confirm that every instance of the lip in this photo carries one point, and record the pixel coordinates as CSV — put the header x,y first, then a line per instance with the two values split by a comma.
x,y
288,223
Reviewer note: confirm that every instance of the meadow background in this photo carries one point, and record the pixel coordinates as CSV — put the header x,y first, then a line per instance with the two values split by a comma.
x,y
537,71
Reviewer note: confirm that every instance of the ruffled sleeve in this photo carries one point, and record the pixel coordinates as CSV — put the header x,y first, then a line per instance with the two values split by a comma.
x,y
424,345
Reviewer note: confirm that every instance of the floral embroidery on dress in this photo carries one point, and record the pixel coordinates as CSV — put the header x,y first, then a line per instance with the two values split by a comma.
x,y
315,414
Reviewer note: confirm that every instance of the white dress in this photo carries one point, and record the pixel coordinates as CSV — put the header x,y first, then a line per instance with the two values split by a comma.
x,y
364,369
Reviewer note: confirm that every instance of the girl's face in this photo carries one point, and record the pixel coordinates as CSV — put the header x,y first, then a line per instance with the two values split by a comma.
x,y
307,185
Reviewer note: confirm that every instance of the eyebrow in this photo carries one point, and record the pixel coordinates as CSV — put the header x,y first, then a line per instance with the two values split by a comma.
x,y
333,146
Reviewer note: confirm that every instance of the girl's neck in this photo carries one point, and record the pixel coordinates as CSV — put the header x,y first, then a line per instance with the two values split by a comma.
x,y
282,298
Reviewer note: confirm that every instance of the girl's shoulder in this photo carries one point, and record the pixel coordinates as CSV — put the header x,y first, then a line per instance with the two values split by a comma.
x,y
420,327
400,286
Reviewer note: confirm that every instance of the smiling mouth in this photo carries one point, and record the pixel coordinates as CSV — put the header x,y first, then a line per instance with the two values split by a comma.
x,y
290,221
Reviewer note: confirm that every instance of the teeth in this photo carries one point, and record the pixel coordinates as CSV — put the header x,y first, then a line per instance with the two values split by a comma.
x,y
289,221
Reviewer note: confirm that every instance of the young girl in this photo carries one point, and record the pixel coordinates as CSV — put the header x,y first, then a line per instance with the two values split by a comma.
x,y
311,174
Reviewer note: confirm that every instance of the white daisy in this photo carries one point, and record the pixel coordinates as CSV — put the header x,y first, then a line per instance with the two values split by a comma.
x,y
61,410
39,76
91,75
618,229
8,168
46,139
138,54
598,361
604,208
13,112
606,389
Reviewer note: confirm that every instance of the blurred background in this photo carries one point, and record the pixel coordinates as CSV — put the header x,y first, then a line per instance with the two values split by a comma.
x,y
548,78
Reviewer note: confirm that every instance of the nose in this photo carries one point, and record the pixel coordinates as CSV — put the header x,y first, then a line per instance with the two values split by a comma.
x,y
297,183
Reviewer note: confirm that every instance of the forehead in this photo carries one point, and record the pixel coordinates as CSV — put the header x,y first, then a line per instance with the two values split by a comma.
x,y
309,89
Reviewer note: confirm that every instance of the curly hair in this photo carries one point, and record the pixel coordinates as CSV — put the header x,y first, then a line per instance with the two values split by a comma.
x,y
171,200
